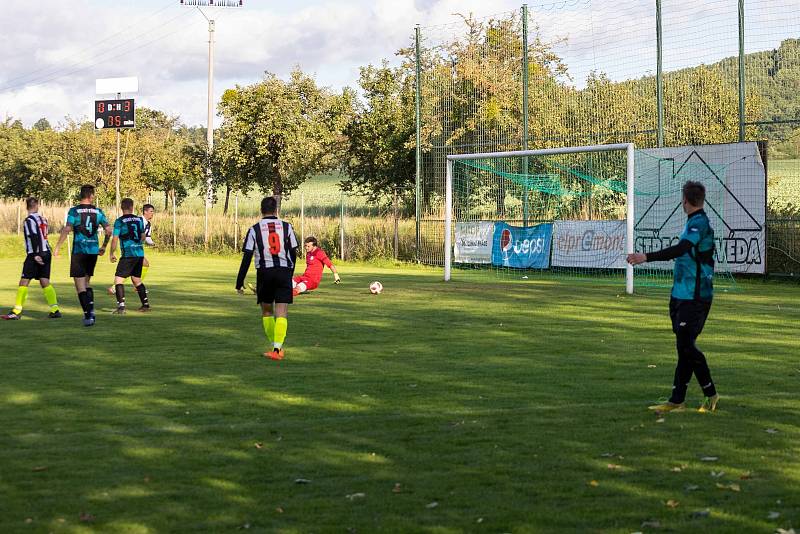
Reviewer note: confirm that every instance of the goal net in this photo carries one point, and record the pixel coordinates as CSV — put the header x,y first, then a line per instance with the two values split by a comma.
x,y
574,212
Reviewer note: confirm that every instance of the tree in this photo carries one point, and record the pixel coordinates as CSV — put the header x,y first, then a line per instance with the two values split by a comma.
x,y
279,133
42,125
379,158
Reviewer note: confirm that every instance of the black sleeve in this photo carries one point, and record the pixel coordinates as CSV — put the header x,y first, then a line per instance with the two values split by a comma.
x,y
247,257
293,256
670,253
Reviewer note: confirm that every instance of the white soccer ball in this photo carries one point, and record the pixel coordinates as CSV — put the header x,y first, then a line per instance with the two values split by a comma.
x,y
375,287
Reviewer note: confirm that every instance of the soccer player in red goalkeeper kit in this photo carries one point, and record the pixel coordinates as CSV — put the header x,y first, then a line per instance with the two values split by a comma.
x,y
316,260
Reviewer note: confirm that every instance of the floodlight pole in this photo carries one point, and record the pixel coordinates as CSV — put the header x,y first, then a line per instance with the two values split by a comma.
x,y
210,118
210,126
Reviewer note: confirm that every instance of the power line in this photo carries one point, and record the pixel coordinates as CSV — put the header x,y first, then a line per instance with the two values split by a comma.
x,y
69,69
90,65
88,48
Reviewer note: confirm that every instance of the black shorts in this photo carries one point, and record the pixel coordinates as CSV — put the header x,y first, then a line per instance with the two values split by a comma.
x,y
82,265
689,316
130,266
32,270
274,285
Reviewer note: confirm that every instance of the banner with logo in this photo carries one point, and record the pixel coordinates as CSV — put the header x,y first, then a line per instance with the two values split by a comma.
x,y
522,247
473,242
594,244
735,180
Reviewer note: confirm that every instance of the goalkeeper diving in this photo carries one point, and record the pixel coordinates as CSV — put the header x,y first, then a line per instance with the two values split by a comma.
x,y
316,261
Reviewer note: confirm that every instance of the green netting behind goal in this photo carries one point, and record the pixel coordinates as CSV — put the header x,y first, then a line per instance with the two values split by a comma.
x,y
564,215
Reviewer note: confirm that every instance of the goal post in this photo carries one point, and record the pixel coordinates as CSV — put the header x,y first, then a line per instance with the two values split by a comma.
x,y
627,148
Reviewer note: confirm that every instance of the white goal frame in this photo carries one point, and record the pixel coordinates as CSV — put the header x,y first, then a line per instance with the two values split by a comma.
x,y
629,148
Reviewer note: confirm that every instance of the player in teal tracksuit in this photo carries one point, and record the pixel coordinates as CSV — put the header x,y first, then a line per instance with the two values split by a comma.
x,y
84,220
690,302
129,231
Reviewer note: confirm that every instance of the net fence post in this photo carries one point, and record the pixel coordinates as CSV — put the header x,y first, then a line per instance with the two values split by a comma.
x,y
396,226
418,151
448,217
630,177
174,223
302,217
236,220
19,217
341,230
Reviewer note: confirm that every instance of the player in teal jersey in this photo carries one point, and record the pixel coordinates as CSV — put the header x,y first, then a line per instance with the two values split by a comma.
x,y
147,215
690,302
129,232
85,220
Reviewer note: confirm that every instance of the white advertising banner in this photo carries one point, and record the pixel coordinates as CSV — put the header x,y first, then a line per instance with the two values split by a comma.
x,y
735,181
593,244
474,242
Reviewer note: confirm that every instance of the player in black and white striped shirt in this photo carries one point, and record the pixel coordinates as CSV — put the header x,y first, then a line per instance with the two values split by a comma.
x,y
37,262
272,246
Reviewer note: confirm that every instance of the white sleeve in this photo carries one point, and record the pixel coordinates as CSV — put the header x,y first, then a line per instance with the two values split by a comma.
x,y
249,241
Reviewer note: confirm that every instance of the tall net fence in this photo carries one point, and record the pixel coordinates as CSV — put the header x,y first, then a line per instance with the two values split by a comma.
x,y
579,72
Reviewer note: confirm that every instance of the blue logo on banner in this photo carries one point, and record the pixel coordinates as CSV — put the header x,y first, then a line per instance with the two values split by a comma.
x,y
523,247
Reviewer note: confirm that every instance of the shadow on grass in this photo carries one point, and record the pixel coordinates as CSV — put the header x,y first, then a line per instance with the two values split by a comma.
x,y
432,407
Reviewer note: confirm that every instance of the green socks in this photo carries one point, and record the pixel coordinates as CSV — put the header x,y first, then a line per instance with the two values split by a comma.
x,y
281,325
22,295
144,272
269,327
50,296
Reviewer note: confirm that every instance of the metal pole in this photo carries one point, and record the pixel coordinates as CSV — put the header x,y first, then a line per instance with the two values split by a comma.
x,y
418,179
236,220
659,75
19,218
302,217
741,71
116,207
448,217
396,229
174,223
630,217
341,231
210,129
525,84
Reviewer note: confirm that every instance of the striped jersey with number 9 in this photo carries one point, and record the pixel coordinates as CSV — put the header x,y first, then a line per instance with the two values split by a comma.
x,y
270,240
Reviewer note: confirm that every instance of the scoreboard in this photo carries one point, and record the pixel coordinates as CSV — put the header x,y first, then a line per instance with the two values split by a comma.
x,y
114,114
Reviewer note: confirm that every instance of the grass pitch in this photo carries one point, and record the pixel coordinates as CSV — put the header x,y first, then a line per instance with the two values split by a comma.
x,y
483,405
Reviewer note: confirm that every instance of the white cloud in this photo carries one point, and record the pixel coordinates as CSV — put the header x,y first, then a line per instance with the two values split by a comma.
x,y
52,54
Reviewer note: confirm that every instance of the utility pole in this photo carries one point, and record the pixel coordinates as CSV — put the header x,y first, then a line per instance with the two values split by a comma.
x,y
210,116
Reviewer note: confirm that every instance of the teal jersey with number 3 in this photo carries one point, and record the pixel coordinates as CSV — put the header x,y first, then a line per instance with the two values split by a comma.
x,y
86,220
130,230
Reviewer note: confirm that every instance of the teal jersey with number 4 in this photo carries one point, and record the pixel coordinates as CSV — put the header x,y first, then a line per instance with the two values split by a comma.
x,y
86,220
130,230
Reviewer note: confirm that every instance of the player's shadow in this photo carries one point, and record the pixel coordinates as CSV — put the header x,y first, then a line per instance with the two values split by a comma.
x,y
173,421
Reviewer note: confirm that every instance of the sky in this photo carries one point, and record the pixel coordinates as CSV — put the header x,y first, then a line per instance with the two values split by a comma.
x,y
52,51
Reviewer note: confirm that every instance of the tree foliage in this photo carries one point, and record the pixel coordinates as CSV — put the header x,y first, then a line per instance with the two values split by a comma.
x,y
380,155
276,134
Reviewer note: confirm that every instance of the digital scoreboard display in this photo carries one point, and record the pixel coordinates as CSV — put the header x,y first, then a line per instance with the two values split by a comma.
x,y
114,114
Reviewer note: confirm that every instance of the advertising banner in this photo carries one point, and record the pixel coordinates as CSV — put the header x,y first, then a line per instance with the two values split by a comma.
x,y
474,242
735,180
592,244
522,247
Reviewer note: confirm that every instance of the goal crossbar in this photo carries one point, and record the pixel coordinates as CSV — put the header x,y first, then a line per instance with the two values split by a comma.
x,y
629,148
